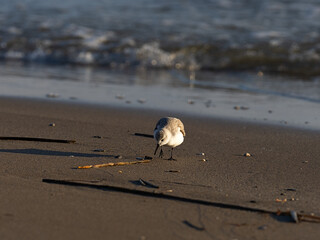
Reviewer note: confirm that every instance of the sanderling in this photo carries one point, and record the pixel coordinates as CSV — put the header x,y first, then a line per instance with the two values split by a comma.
x,y
169,131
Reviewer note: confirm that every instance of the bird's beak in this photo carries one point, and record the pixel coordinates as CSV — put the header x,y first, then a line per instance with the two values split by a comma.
x,y
155,152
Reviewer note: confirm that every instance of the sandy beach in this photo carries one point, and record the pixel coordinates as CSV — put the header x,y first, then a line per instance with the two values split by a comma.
x,y
281,174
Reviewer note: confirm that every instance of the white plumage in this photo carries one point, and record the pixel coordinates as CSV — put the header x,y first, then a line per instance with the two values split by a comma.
x,y
169,131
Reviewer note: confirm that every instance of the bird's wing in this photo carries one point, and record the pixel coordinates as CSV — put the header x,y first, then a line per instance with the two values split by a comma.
x,y
161,123
181,126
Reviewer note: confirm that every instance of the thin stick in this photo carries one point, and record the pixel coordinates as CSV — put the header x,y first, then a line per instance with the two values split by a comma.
x,y
111,164
302,217
37,139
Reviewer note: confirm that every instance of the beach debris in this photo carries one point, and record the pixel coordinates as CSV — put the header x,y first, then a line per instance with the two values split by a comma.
x,y
193,226
173,171
89,184
37,139
294,216
148,184
281,200
139,158
204,160
263,227
291,189
119,171
143,135
52,125
201,154
111,164
141,100
52,95
99,150
118,96
118,157
247,154
305,161
97,136
147,158
240,108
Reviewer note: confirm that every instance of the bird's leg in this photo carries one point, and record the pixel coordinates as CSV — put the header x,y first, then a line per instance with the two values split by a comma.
x,y
171,158
161,153
155,152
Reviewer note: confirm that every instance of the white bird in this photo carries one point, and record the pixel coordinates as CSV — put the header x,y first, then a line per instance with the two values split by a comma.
x,y
169,131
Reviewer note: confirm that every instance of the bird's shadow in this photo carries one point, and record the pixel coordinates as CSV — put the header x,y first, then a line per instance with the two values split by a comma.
x,y
34,151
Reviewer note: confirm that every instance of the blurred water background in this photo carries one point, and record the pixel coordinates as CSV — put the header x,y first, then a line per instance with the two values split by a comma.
x,y
266,48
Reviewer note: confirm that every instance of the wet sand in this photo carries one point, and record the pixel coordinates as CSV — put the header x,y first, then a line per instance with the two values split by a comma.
x,y
284,165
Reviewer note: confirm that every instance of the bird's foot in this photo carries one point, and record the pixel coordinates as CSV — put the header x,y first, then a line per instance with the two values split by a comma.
x,y
172,159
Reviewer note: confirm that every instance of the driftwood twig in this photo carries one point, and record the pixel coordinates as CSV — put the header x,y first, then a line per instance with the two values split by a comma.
x,y
111,164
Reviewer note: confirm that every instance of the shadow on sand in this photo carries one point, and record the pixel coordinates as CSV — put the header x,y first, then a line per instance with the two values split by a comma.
x,y
34,151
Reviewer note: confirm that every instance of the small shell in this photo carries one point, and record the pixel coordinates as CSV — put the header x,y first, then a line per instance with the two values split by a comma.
x,y
201,154
294,216
247,154
52,124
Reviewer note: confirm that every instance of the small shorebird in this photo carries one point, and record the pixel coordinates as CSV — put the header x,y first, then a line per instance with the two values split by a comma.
x,y
169,131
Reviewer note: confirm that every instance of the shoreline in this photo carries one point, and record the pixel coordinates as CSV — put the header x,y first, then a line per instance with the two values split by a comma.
x,y
284,165
162,112
167,92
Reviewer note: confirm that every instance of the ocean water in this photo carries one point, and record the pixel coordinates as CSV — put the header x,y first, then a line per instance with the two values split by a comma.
x,y
268,35
263,54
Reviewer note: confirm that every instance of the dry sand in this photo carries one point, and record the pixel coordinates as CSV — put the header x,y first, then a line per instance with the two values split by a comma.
x,y
285,165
